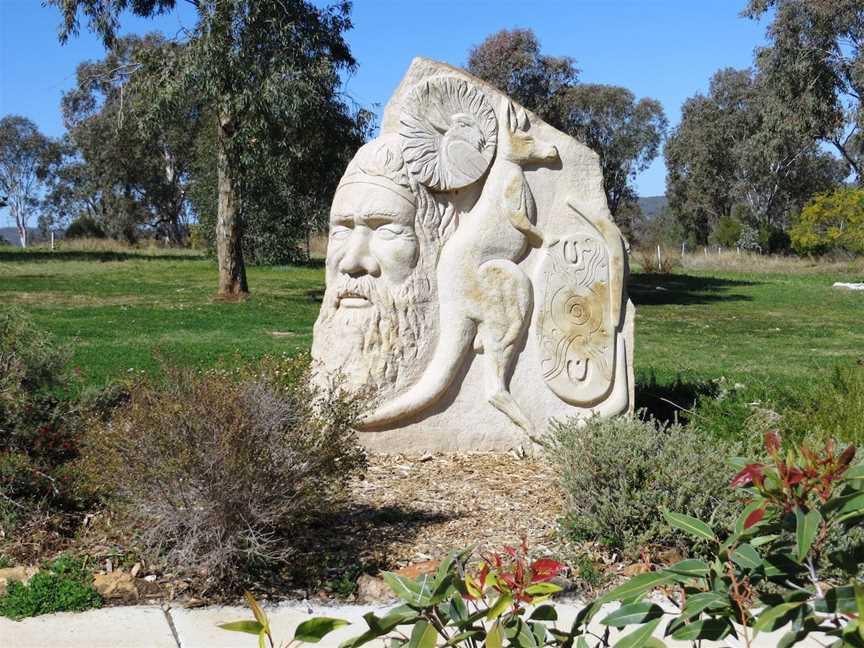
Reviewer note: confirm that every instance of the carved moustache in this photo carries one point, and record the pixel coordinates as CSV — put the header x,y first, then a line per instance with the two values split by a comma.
x,y
354,288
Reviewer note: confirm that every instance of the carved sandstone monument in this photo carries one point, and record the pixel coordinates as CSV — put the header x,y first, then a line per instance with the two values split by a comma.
x,y
475,279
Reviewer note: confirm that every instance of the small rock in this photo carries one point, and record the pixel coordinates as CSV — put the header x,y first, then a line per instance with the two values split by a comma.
x,y
371,589
150,578
670,556
633,570
419,569
9,574
116,586
136,568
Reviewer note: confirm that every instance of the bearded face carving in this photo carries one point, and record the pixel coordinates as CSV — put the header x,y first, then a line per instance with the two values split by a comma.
x,y
475,280
375,325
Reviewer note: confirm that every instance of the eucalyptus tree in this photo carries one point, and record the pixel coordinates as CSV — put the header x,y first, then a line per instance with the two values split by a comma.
x,y
27,159
624,132
126,171
738,147
511,60
263,68
814,64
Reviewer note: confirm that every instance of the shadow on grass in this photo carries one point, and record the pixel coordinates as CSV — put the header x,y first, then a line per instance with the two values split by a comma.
x,y
337,547
80,255
649,289
670,402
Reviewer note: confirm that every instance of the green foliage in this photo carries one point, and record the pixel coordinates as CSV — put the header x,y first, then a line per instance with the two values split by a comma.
x,y
84,227
282,449
460,605
28,160
624,132
727,231
831,222
812,64
766,574
832,407
61,586
619,474
127,177
739,145
512,61
37,435
761,575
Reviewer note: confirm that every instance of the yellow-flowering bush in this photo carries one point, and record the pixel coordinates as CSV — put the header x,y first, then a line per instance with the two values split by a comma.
x,y
831,222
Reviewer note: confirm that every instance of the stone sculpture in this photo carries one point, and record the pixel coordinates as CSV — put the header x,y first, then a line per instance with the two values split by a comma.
x,y
475,279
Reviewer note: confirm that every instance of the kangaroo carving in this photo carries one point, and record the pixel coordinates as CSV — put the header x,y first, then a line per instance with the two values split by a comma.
x,y
485,298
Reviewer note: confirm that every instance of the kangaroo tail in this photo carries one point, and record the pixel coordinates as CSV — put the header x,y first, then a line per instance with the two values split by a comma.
x,y
453,344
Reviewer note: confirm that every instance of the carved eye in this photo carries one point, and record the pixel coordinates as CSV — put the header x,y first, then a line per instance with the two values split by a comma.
x,y
339,232
389,232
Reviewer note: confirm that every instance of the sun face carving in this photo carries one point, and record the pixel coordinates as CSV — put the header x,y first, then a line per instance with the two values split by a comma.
x,y
448,132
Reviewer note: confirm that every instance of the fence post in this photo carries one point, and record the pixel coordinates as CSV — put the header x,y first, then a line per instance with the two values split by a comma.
x,y
659,262
52,240
682,249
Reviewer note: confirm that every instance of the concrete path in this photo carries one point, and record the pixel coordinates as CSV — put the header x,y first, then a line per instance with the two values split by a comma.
x,y
155,627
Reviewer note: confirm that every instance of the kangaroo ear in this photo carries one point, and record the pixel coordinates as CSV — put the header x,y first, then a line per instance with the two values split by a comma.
x,y
512,117
524,124
448,132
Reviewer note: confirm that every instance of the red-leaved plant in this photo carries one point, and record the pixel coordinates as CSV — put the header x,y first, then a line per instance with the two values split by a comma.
x,y
762,578
509,572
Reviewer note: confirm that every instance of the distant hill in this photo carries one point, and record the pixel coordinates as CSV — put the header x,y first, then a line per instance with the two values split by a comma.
x,y
10,235
652,205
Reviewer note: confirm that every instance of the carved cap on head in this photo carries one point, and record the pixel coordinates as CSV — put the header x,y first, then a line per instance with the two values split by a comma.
x,y
380,162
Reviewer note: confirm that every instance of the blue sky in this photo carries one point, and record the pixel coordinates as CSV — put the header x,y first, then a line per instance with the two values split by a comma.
x,y
666,49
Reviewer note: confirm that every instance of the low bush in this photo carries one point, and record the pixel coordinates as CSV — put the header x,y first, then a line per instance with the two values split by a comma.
x,y
619,474
61,586
766,574
218,468
833,407
38,438
85,227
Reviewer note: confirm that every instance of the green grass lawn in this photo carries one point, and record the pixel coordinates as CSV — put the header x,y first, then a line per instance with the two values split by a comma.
x,y
119,311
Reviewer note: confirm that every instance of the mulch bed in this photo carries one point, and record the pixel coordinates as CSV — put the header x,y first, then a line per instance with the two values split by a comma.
x,y
406,509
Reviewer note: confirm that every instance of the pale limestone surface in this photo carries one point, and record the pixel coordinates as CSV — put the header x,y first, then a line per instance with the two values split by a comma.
x,y
476,283
148,627
121,627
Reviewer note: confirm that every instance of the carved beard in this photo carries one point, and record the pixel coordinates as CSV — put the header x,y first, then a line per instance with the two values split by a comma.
x,y
385,346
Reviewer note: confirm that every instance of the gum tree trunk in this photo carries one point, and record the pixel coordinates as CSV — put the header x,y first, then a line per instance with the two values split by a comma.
x,y
229,252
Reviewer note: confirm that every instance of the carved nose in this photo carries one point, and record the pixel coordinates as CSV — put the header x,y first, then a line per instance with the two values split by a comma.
x,y
357,259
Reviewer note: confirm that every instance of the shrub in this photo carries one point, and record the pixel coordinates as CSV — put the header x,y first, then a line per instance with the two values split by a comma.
x,y
220,468
766,575
619,474
832,407
84,227
62,586
37,437
727,231
831,221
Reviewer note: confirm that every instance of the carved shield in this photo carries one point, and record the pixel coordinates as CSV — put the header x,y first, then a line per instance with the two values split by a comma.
x,y
575,332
